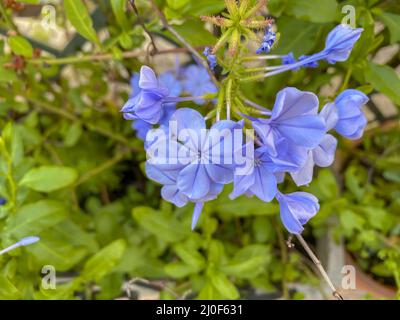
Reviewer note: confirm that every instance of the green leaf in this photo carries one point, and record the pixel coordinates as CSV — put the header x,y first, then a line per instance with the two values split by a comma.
x,y
49,178
324,11
248,262
351,221
392,21
177,4
79,17
179,270
163,225
224,286
33,218
7,290
385,80
72,135
30,1
118,8
53,247
13,142
104,261
20,46
190,256
6,75
300,37
195,33
205,7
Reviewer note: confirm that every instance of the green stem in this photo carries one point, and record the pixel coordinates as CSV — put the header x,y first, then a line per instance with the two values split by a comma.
x,y
346,78
10,178
70,116
104,166
229,85
10,24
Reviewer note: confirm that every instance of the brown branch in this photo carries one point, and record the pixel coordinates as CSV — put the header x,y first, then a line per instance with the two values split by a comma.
x,y
133,5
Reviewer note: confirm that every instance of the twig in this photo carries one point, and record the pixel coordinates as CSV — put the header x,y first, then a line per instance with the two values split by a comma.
x,y
196,56
100,57
318,264
104,166
133,5
70,116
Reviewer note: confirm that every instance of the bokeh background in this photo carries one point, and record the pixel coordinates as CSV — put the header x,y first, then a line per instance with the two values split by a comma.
x,y
71,169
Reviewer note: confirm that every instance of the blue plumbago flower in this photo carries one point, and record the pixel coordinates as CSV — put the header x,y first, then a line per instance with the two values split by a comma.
x,y
2,201
147,105
294,122
199,178
296,209
268,41
211,58
259,180
197,82
338,46
168,80
351,119
340,42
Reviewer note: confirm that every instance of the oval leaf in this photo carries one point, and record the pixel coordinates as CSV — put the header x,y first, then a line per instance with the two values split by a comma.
x,y
79,17
20,46
49,178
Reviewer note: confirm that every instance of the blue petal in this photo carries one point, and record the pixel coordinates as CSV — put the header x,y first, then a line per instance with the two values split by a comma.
x,y
172,194
193,122
198,207
304,130
330,114
264,186
324,154
291,102
194,182
305,174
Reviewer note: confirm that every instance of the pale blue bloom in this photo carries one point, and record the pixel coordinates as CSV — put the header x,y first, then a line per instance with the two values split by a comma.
x,y
294,126
197,82
340,42
296,209
351,119
147,104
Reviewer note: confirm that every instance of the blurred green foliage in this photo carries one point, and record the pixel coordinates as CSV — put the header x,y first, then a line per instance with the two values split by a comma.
x,y
71,167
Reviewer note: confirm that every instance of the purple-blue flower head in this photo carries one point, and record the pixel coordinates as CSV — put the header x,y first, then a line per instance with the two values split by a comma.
x,y
267,41
211,58
197,82
147,104
351,118
204,171
294,118
296,209
340,42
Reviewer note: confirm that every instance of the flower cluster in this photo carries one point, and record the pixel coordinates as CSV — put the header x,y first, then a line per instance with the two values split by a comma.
x,y
193,163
